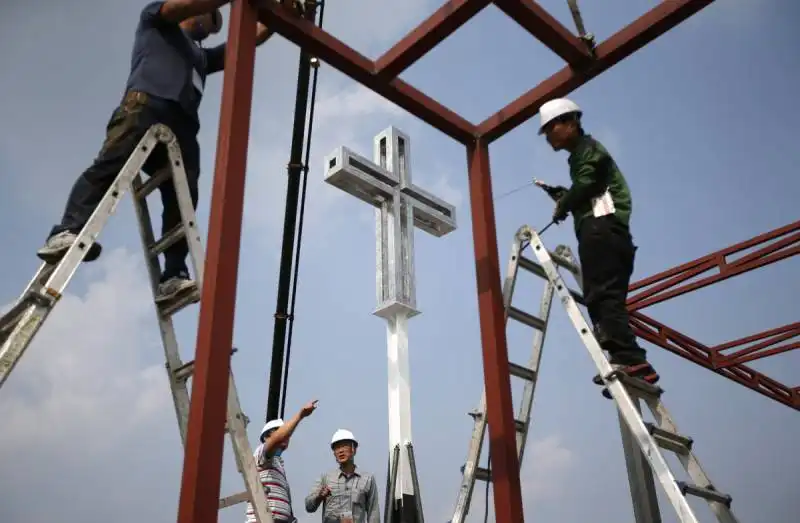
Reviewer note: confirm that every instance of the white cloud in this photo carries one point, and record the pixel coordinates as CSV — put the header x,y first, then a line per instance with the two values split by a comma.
x,y
342,117
546,468
88,396
74,374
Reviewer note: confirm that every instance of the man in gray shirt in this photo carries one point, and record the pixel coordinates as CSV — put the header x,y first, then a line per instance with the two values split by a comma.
x,y
347,495
168,72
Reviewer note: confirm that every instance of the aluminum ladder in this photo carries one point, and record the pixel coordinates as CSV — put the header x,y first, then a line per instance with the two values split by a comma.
x,y
528,373
19,325
643,441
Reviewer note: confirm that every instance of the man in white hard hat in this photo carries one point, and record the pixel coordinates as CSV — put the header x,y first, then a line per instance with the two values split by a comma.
x,y
274,440
347,494
600,203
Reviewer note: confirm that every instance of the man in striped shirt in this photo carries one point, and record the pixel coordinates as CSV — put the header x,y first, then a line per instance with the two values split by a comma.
x,y
274,439
347,495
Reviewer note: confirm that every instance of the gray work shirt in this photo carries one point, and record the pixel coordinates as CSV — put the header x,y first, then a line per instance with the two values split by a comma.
x,y
356,494
167,64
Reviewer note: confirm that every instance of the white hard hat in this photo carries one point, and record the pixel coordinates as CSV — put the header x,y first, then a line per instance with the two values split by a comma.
x,y
271,425
343,435
556,108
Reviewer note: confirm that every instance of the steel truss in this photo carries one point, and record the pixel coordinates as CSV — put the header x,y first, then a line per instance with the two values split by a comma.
x,y
202,473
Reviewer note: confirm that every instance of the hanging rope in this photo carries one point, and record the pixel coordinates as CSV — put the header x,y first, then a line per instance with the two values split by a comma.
x,y
301,218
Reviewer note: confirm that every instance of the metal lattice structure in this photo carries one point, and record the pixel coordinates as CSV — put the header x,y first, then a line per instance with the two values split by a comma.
x,y
204,445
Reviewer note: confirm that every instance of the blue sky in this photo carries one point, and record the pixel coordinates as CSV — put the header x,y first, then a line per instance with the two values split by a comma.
x,y
702,123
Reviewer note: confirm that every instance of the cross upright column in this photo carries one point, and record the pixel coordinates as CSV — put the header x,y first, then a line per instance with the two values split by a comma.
x,y
399,205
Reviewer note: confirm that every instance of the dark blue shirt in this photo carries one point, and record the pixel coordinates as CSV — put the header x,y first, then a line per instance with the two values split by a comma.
x,y
167,64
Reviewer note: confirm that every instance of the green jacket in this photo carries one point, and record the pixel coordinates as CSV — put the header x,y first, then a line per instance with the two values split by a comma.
x,y
592,171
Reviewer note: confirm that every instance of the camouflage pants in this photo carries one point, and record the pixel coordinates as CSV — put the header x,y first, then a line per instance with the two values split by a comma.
x,y
129,122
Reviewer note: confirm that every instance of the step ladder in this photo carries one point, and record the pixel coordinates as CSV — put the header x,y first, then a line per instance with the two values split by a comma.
x,y
19,325
528,373
663,432
647,439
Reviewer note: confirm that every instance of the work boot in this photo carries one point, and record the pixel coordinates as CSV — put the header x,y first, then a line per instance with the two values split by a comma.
x,y
642,370
58,244
173,287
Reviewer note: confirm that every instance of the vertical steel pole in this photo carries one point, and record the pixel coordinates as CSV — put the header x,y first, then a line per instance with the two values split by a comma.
x,y
497,380
202,464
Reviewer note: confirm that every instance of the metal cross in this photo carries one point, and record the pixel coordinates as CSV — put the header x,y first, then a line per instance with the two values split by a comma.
x,y
385,183
400,205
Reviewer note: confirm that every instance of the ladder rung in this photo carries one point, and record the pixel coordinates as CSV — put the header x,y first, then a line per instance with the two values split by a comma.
x,y
518,424
530,266
538,270
708,493
184,371
636,386
165,242
483,474
523,317
535,268
229,501
169,308
519,371
669,440
9,320
151,184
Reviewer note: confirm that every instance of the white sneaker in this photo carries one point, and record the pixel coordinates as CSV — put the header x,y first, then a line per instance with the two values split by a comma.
x,y
173,288
57,246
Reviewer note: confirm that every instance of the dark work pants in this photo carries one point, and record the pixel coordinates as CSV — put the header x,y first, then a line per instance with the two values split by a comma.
x,y
607,254
129,122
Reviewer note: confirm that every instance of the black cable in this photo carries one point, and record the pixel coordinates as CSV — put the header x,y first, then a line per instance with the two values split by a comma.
x,y
300,225
295,171
488,481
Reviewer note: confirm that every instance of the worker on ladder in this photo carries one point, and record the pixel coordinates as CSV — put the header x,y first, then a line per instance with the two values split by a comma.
x,y
347,495
600,202
274,440
169,67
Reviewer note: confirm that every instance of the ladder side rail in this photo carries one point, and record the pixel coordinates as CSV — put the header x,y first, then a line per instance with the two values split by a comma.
x,y
640,478
236,419
534,363
618,392
169,340
44,271
471,465
464,498
545,305
71,260
245,461
689,461
16,342
188,217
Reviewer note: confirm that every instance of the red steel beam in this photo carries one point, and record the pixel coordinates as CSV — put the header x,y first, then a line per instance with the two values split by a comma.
x,y
768,347
430,33
773,246
202,463
659,334
645,29
361,69
544,27
497,380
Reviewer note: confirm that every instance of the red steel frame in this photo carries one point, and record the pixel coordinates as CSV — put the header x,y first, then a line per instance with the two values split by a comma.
x,y
204,446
